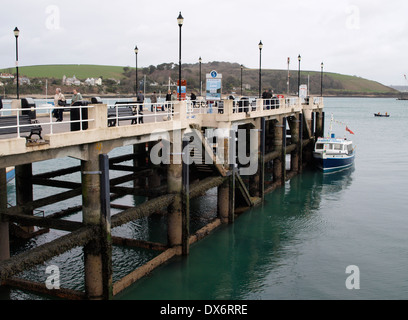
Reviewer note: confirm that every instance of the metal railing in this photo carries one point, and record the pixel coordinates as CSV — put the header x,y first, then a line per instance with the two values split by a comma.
x,y
18,111
141,111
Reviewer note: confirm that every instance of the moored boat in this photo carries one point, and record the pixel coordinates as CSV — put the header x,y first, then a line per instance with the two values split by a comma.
x,y
331,153
10,173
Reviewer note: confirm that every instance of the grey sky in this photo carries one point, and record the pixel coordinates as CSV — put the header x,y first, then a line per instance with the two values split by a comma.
x,y
360,37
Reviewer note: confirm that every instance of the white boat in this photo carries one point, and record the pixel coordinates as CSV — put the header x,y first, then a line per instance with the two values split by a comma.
x,y
331,153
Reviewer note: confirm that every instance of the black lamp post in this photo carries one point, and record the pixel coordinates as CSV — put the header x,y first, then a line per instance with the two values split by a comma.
x,y
321,80
299,58
16,34
136,52
242,67
180,21
201,83
260,46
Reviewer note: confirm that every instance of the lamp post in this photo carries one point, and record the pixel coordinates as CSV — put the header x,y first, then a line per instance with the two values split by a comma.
x,y
321,80
180,21
16,34
260,46
242,67
136,52
299,58
288,75
201,83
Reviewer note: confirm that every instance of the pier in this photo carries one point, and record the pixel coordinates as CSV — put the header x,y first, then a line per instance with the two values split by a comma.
x,y
181,150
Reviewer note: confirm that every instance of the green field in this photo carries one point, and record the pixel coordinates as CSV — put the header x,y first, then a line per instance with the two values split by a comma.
x,y
81,71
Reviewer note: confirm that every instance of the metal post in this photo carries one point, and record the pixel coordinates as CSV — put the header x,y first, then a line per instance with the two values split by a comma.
x,y
186,197
106,239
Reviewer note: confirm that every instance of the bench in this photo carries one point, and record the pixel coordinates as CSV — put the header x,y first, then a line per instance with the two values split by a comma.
x,y
124,113
29,125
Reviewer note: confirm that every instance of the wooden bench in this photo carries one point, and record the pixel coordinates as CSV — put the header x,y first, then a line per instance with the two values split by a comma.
x,y
124,113
29,125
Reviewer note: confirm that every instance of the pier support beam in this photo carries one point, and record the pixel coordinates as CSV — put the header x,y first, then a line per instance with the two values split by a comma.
x,y
279,163
294,125
174,186
24,189
98,280
4,226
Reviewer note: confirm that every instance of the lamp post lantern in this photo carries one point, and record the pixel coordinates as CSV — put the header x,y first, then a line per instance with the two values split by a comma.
x,y
299,59
180,21
321,80
201,83
16,34
260,46
136,52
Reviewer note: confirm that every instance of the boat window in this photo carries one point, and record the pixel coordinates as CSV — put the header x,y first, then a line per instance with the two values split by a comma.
x,y
349,148
329,146
319,146
337,146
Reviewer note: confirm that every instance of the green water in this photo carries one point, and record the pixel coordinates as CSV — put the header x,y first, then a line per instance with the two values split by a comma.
x,y
300,242
296,246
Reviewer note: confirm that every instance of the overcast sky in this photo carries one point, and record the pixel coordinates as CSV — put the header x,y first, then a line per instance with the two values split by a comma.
x,y
367,38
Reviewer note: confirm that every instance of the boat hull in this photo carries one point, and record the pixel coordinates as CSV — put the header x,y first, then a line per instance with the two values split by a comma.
x,y
10,173
329,164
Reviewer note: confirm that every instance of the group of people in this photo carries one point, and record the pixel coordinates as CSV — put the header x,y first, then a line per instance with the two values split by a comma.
x,y
60,102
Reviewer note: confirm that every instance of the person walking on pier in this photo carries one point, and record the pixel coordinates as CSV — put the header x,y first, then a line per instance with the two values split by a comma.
x,y
59,102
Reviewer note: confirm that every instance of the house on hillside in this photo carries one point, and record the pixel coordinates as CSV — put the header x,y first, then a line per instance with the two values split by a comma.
x,y
70,81
6,76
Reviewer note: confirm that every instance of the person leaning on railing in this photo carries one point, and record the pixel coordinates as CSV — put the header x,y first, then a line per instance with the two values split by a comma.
x,y
76,97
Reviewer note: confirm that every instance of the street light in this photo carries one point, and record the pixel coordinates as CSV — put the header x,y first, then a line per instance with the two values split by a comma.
x,y
136,52
180,21
242,67
201,83
16,34
260,46
321,80
288,75
299,58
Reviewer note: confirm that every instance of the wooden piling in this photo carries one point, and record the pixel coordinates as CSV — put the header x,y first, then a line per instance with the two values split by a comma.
x,y
4,225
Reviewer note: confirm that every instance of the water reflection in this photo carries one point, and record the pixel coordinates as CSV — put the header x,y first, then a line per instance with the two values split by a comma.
x,y
239,261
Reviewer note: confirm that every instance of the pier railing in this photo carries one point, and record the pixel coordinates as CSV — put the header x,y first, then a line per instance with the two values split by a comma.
x,y
100,116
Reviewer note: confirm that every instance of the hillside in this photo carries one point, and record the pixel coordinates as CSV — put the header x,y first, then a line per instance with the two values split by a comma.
x,y
157,78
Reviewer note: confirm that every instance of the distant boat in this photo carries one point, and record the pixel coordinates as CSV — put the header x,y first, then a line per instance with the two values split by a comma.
x,y
10,173
381,115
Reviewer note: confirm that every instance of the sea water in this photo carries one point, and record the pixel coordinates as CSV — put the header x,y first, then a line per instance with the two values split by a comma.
x,y
321,236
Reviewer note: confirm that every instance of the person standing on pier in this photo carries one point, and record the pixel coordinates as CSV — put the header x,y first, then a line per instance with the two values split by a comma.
x,y
59,102
140,100
193,98
168,99
153,100
76,97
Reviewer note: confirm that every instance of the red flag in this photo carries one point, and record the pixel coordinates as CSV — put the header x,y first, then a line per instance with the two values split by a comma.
x,y
347,129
